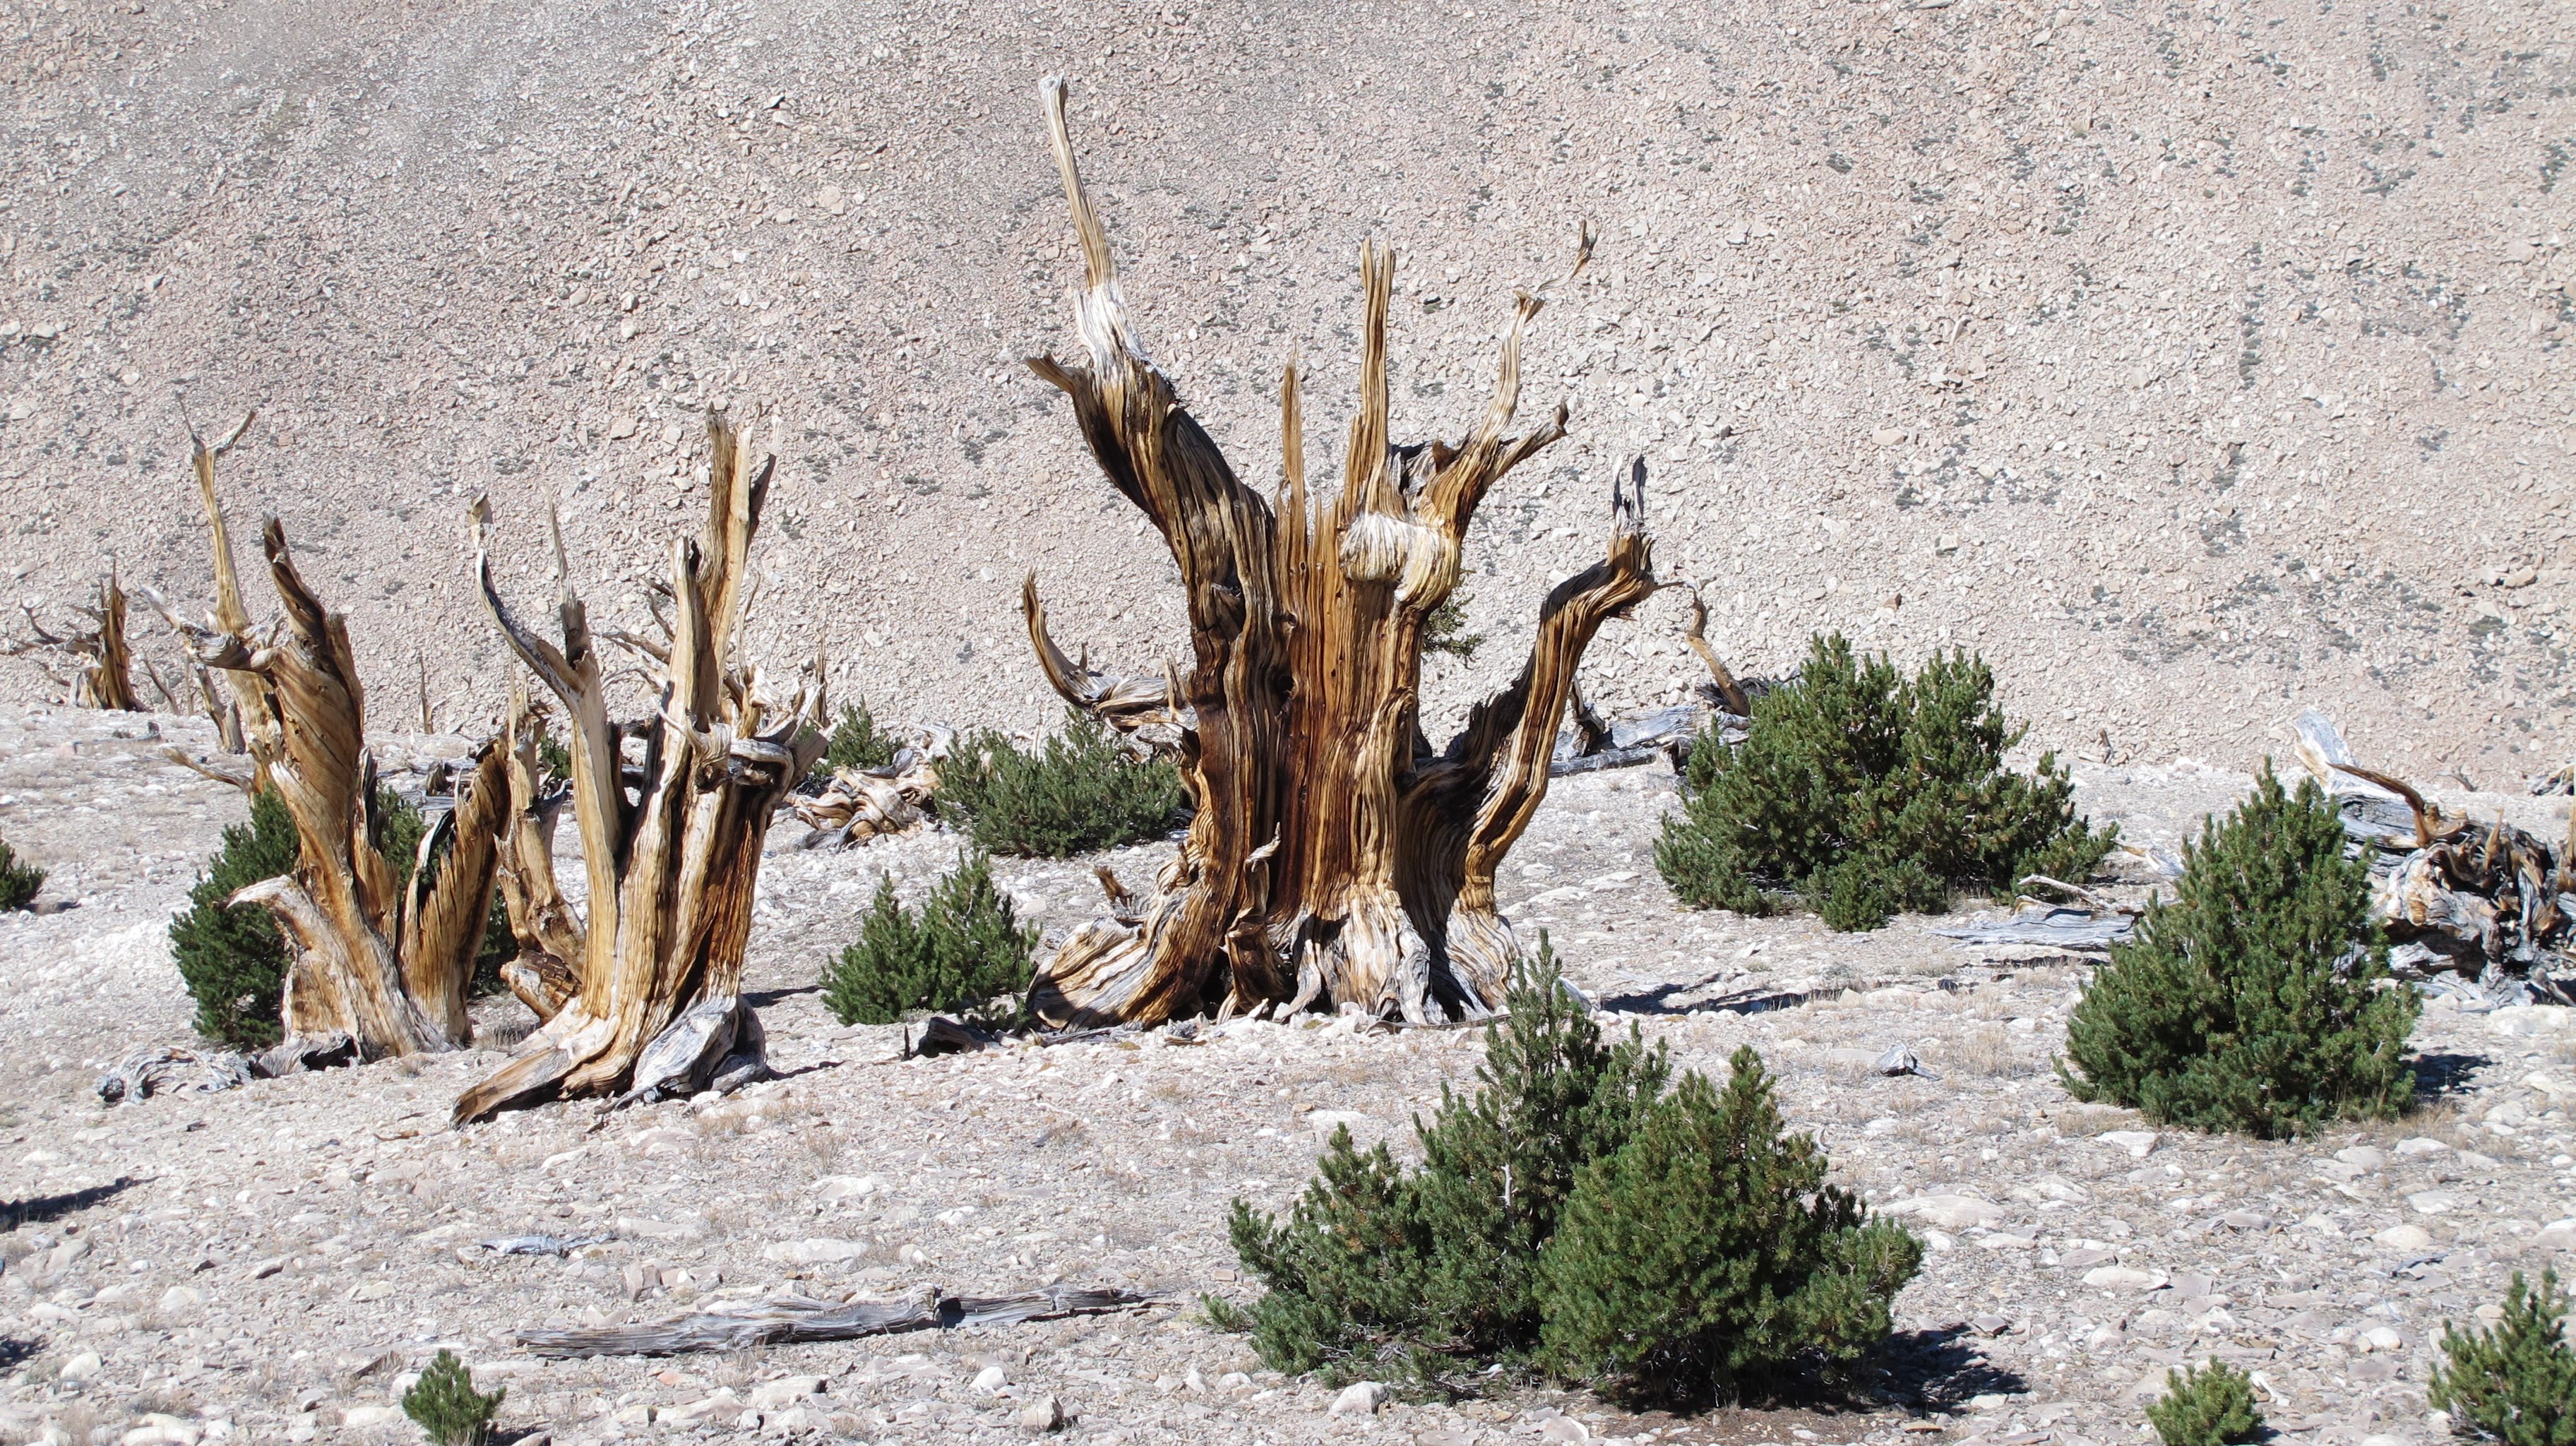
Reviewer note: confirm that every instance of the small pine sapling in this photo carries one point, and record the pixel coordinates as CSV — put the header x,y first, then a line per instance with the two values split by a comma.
x,y
2259,999
18,881
2210,1405
962,950
1080,791
234,960
2515,1383
1860,792
856,742
1708,1253
447,1408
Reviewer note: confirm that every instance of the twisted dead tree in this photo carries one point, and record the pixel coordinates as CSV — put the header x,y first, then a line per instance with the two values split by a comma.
x,y
542,922
102,660
1335,855
671,809
382,964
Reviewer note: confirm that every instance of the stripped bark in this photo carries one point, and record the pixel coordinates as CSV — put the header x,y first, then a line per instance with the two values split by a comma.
x,y
102,659
794,1319
383,964
1334,856
670,837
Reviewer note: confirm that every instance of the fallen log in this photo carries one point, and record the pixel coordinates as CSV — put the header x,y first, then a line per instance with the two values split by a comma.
x,y
793,1319
2490,900
858,804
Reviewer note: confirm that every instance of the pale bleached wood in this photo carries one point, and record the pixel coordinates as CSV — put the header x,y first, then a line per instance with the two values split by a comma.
x,y
656,1002
1335,857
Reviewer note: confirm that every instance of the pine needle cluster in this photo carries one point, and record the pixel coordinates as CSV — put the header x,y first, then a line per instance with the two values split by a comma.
x,y
2258,1000
964,948
1080,791
1578,1217
1860,793
2514,1383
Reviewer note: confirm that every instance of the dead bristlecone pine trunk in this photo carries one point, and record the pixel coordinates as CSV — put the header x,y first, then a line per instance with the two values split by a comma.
x,y
102,660
671,810
1335,855
381,967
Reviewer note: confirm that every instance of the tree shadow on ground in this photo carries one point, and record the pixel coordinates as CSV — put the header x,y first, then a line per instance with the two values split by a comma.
x,y
14,1213
1943,1368
15,1353
2439,1077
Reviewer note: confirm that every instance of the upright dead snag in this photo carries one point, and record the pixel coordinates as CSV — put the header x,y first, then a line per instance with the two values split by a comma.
x,y
103,674
671,829
1334,854
383,964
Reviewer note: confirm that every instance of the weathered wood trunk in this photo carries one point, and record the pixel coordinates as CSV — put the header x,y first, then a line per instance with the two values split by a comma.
x,y
542,922
103,661
671,811
1335,855
384,963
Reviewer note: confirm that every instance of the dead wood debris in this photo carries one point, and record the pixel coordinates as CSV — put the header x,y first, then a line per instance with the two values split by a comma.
x,y
102,661
858,804
2487,900
788,1319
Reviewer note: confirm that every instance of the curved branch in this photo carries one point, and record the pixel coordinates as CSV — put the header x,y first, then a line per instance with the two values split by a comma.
x,y
1730,693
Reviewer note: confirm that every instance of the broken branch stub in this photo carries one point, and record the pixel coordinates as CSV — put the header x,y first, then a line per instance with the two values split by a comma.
x,y
671,811
102,658
1334,857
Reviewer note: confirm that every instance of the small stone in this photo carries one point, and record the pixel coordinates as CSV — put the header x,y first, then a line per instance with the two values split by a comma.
x,y
775,1394
2086,1259
364,1416
845,1187
2418,1146
2245,1220
2527,1021
814,1252
1043,1415
2139,1143
2433,1202
1564,1429
2383,1338
989,1380
2192,1282
1324,1122
2124,1277
1888,436
2404,1237
1360,1398
83,1366
2376,1368
2364,1156
1990,1324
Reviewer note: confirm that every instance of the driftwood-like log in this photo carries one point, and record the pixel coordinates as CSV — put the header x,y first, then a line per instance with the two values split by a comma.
x,y
795,1319
860,804
1335,855
671,810
103,661
383,964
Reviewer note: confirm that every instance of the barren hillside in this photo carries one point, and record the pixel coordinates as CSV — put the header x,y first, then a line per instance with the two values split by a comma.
x,y
2191,359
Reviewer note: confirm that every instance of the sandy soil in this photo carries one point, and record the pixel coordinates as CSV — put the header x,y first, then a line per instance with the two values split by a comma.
x,y
2193,359
271,1262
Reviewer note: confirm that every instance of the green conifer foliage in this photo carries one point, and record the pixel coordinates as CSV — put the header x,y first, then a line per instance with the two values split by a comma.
x,y
1860,792
2516,1383
18,882
2259,999
1709,1253
856,742
447,1408
234,960
2207,1406
1475,1257
963,949
1080,791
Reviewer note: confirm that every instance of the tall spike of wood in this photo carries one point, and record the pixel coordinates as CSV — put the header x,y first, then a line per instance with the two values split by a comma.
x,y
671,838
104,676
383,964
1334,855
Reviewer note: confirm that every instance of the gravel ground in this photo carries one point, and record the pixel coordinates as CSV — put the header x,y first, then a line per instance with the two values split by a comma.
x,y
2189,357
271,1262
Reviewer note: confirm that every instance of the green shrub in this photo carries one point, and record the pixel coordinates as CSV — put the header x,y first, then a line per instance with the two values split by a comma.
x,y
1475,1256
1710,1251
1444,628
1860,792
2259,999
18,882
234,960
1082,790
445,1405
965,948
2206,1406
2516,1383
856,742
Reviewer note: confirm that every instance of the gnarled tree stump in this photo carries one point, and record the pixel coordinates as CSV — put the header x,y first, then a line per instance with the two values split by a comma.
x,y
384,964
103,662
1335,855
671,810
